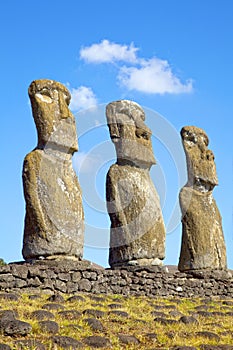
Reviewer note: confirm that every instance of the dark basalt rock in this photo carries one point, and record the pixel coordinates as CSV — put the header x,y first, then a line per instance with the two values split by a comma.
x,y
42,315
9,296
50,327
5,347
165,321
17,328
29,344
66,342
201,307
94,324
175,313
128,339
58,298
98,299
70,314
188,319
151,336
204,313
93,312
165,307
215,347
75,298
183,348
7,316
119,313
209,335
228,302
53,306
97,341
34,297
115,306
158,314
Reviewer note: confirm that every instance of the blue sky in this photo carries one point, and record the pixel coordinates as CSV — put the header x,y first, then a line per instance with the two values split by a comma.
x,y
172,57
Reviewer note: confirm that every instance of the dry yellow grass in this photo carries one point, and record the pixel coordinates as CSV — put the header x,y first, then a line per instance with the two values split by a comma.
x,y
140,322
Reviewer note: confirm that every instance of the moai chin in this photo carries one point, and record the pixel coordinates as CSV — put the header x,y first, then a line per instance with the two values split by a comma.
x,y
203,245
54,220
137,234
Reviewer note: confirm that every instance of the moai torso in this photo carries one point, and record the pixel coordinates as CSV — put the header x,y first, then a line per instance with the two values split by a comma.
x,y
203,245
137,234
54,221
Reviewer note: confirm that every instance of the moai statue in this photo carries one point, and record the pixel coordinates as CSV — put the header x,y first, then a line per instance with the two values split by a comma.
x,y
137,234
203,245
54,221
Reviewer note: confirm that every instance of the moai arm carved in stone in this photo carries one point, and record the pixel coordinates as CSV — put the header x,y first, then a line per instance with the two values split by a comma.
x,y
137,234
203,245
54,220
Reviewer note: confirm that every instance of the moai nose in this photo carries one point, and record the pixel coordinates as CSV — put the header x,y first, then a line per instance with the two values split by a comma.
x,y
201,144
64,110
209,155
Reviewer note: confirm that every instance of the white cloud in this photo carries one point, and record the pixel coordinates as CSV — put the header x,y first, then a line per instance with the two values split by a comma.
x,y
150,76
153,76
82,98
107,51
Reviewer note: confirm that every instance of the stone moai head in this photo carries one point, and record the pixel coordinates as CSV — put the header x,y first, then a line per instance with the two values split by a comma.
x,y
131,137
202,174
54,121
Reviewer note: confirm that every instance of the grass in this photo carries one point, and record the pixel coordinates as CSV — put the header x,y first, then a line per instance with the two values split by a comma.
x,y
139,323
2,262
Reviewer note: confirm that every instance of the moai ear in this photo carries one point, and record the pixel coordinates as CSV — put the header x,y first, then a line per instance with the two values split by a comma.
x,y
112,123
114,131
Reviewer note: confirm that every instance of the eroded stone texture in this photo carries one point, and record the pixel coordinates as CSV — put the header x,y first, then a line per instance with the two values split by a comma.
x,y
54,221
137,230
203,245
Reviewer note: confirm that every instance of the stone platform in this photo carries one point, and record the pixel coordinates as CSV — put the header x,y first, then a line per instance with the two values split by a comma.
x,y
68,276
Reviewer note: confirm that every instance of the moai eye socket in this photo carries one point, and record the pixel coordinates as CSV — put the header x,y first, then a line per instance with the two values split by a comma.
x,y
140,133
145,135
205,140
190,138
45,96
67,98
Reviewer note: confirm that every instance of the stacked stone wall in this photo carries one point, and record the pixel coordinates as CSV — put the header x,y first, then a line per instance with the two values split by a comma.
x,y
74,277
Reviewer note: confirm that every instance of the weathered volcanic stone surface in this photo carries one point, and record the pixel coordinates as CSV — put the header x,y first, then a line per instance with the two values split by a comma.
x,y
97,341
137,229
203,245
128,339
29,344
50,327
54,221
17,328
4,347
66,342
94,324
